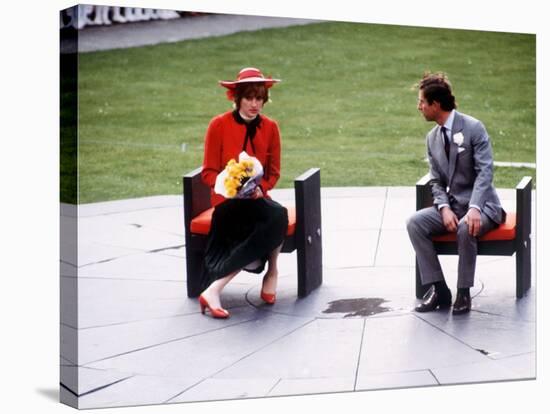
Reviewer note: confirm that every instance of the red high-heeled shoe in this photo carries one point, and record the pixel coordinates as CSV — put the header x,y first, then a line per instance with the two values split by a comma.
x,y
218,313
268,298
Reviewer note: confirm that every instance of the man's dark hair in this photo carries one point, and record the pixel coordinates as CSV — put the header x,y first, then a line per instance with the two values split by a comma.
x,y
250,90
436,87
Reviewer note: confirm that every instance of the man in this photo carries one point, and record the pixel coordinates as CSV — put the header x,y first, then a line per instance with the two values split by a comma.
x,y
465,201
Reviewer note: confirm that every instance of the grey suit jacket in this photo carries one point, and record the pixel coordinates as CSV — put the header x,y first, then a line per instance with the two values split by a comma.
x,y
467,176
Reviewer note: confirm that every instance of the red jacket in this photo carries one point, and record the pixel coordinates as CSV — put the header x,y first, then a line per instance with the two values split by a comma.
x,y
224,140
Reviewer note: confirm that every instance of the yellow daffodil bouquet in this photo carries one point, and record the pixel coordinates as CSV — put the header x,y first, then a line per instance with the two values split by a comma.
x,y
239,179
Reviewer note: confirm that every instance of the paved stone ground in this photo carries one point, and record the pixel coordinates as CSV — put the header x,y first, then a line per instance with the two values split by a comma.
x,y
127,35
142,341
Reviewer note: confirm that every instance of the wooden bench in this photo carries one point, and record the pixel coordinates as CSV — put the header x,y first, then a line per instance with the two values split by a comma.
x,y
303,233
512,236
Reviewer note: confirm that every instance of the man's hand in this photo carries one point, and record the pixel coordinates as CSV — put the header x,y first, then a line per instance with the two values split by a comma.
x,y
450,220
473,219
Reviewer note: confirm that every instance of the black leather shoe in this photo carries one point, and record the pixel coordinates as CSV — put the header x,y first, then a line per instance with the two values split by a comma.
x,y
463,303
433,300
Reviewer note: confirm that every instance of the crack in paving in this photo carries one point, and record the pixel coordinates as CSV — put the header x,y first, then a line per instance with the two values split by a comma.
x,y
359,356
102,261
445,332
179,246
162,249
380,227
503,316
84,215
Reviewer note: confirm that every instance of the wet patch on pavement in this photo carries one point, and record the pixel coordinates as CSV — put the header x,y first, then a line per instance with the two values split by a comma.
x,y
358,307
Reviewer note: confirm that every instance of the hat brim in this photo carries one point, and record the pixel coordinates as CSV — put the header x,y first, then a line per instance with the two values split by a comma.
x,y
232,84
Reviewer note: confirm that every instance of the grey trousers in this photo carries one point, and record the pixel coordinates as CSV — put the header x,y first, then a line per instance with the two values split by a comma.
x,y
426,223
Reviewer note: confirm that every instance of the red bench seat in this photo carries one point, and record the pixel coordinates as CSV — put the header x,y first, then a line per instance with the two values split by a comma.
x,y
506,231
201,223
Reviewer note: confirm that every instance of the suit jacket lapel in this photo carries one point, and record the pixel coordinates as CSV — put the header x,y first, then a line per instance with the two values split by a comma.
x,y
458,125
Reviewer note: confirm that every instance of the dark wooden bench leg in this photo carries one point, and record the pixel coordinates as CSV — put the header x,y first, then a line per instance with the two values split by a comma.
x,y
309,248
523,236
523,271
196,199
195,264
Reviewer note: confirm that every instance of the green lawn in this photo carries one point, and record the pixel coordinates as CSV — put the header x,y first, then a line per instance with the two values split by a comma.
x,y
347,103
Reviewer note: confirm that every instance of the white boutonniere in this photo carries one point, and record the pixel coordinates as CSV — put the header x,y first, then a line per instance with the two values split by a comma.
x,y
458,138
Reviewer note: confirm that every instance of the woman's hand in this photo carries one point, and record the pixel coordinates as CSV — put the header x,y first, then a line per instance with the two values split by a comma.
x,y
258,193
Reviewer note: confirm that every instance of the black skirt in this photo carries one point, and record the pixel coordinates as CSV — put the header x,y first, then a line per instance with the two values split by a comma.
x,y
242,232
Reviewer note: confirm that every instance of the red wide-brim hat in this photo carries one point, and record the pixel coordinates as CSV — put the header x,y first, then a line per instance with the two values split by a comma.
x,y
250,75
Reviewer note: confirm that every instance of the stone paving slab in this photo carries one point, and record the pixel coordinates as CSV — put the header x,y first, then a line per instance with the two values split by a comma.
x,y
394,249
352,213
90,253
396,380
335,342
111,301
408,343
227,389
168,220
477,372
487,333
89,379
395,215
122,206
143,266
523,365
350,248
137,390
506,305
121,232
304,386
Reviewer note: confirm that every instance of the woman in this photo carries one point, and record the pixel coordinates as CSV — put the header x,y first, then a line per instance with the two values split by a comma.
x,y
245,232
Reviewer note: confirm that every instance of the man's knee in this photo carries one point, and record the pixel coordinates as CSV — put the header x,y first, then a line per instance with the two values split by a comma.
x,y
462,232
412,224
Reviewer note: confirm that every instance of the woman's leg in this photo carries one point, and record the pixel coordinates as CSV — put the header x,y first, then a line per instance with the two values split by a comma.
x,y
269,284
212,293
